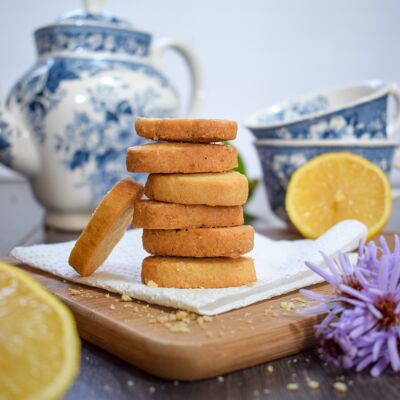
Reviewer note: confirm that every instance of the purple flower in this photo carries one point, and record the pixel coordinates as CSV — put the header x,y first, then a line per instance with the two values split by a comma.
x,y
336,347
362,326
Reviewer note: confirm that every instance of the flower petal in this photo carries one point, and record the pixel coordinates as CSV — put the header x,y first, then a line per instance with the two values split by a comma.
x,y
393,353
377,349
379,367
329,263
355,293
364,363
318,270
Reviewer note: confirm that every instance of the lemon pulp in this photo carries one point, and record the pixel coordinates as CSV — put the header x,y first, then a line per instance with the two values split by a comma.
x,y
39,343
334,187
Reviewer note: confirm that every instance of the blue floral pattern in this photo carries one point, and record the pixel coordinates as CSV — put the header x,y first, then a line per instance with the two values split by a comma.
x,y
38,94
92,143
367,120
5,145
294,110
96,149
91,38
279,163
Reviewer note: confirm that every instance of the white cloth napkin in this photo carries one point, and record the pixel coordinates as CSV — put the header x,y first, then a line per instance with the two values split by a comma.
x,y
279,265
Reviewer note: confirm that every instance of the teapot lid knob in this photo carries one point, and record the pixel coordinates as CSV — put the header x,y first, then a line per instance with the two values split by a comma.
x,y
93,6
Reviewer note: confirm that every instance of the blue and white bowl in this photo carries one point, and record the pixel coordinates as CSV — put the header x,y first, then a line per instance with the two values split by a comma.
x,y
280,158
356,112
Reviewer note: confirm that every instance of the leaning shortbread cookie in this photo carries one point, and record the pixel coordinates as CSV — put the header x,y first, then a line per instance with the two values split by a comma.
x,y
186,130
192,273
106,227
160,215
223,189
200,242
168,158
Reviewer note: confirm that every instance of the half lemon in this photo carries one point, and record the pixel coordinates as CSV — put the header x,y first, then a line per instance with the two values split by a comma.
x,y
39,342
334,187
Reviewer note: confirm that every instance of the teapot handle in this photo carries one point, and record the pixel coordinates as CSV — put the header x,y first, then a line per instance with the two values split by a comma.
x,y
197,93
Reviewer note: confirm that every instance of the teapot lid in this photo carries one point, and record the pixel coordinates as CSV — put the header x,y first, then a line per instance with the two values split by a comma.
x,y
92,31
93,14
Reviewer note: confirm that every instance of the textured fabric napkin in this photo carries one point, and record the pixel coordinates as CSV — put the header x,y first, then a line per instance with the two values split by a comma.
x,y
279,265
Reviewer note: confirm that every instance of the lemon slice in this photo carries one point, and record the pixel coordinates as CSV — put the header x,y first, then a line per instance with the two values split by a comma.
x,y
39,343
334,187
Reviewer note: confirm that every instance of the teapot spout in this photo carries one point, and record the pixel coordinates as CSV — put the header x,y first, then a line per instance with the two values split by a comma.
x,y
17,148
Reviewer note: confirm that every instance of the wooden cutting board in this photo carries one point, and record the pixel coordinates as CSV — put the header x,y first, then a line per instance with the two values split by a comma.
x,y
237,339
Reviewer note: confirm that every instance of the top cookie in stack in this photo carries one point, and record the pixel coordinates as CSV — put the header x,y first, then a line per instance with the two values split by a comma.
x,y
193,219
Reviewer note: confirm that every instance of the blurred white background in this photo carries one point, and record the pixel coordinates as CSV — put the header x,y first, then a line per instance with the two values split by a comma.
x,y
253,53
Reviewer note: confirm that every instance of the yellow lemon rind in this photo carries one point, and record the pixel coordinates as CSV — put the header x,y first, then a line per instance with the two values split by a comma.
x,y
59,386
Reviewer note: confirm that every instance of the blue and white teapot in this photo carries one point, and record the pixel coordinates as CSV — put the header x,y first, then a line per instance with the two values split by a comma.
x,y
68,121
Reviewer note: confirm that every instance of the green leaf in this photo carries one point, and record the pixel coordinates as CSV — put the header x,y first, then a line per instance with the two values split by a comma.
x,y
253,183
249,218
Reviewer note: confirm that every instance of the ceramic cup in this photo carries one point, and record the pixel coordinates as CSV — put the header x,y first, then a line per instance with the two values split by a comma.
x,y
354,112
280,158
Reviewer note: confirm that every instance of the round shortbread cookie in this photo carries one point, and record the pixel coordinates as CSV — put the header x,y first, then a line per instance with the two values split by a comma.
x,y
106,227
223,189
192,273
159,215
168,158
186,130
200,242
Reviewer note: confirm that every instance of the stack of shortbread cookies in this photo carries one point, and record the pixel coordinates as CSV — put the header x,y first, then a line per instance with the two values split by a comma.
x,y
193,218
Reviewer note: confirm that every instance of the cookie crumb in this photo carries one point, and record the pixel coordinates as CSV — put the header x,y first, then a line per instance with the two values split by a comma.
x,y
74,292
179,327
340,387
266,391
126,297
112,306
209,334
176,383
292,387
152,284
162,319
180,315
130,383
221,379
313,384
152,389
287,305
269,368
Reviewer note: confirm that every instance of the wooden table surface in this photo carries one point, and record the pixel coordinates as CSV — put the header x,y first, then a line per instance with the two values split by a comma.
x,y
103,376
